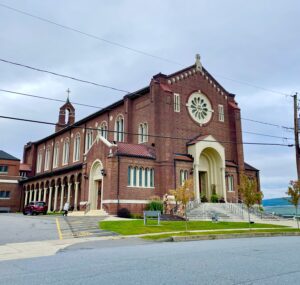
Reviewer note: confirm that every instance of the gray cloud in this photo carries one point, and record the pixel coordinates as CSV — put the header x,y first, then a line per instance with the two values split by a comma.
x,y
254,41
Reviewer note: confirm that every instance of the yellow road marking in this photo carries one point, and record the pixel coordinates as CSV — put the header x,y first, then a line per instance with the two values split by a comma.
x,y
58,229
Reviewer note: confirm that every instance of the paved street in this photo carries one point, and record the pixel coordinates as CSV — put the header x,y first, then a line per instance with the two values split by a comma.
x,y
240,261
19,228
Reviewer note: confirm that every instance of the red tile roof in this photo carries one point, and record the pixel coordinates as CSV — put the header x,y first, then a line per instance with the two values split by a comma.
x,y
25,167
197,139
136,150
184,157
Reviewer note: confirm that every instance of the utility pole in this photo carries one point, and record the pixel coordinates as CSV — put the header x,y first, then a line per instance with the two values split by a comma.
x,y
296,131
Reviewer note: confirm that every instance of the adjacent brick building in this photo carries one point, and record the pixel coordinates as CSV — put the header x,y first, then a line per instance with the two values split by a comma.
x,y
183,125
10,191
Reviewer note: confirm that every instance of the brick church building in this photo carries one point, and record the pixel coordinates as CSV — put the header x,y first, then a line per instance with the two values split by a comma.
x,y
182,125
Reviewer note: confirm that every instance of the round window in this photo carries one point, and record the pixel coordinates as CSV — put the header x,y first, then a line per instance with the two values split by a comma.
x,y
199,108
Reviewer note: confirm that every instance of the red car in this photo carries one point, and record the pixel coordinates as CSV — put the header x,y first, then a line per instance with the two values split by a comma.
x,y
35,208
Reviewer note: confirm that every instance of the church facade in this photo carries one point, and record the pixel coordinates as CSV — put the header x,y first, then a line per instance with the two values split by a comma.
x,y
183,125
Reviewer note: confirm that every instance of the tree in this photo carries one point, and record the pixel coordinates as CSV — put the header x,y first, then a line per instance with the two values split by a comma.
x,y
294,193
250,194
184,194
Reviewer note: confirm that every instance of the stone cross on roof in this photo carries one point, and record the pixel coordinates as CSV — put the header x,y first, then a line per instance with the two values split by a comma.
x,y
198,62
68,97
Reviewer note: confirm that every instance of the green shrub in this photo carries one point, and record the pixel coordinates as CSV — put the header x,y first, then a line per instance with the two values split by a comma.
x,y
204,199
155,206
214,198
123,213
136,216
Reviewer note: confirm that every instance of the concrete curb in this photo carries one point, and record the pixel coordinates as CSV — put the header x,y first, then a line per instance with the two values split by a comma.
x,y
228,236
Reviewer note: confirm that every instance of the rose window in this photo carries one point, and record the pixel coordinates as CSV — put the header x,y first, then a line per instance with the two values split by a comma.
x,y
199,108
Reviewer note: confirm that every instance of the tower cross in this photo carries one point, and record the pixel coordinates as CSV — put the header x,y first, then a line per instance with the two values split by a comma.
x,y
68,91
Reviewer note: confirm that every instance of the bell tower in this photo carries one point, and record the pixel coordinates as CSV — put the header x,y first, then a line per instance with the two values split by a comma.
x,y
66,115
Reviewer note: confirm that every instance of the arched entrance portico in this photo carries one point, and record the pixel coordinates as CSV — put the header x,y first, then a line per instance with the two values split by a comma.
x,y
96,185
209,168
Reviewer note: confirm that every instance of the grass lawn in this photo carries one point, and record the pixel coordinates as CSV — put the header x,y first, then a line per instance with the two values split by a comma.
x,y
136,227
162,236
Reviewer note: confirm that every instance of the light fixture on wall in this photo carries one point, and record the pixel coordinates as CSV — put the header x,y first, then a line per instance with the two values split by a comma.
x,y
103,172
191,171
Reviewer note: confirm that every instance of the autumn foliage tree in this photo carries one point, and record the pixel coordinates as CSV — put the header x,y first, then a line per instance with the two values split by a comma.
x,y
184,194
250,194
294,194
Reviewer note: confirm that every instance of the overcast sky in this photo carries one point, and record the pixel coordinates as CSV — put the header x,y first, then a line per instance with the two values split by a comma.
x,y
257,42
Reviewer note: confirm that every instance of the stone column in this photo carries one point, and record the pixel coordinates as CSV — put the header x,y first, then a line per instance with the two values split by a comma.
x,y
45,195
223,183
196,182
30,196
76,196
50,199
26,196
55,198
62,197
34,195
40,194
69,192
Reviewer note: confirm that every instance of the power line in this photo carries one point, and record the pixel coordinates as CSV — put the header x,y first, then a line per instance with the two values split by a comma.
x,y
63,75
89,35
99,108
151,135
130,48
47,98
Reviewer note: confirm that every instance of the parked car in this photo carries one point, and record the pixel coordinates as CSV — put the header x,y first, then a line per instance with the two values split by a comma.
x,y
35,208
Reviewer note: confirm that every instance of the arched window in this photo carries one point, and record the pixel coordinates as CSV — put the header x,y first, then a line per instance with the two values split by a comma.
x,y
135,170
88,140
47,158
143,132
39,161
119,129
76,155
183,176
66,151
151,177
147,172
56,155
141,174
129,176
103,130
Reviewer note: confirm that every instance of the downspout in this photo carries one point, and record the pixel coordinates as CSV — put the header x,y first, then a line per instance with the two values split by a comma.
x,y
118,184
174,165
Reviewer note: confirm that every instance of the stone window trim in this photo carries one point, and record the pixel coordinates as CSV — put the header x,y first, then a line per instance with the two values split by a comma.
x,y
230,183
140,177
88,139
103,129
39,161
119,128
66,152
221,113
76,152
47,158
199,108
56,155
176,102
183,176
143,132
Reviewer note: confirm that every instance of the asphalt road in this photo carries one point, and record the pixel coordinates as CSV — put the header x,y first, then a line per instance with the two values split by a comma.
x,y
240,261
19,228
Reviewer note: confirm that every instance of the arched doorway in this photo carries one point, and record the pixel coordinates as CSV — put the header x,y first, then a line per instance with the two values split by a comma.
x,y
210,173
96,186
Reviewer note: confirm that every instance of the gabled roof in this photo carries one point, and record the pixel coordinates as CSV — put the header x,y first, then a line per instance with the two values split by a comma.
x,y
7,156
249,167
135,150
